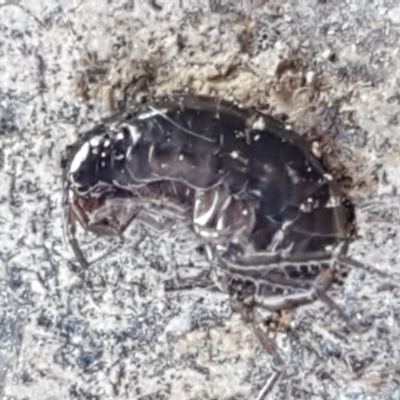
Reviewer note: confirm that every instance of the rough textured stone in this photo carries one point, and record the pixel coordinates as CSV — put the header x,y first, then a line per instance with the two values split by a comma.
x,y
122,331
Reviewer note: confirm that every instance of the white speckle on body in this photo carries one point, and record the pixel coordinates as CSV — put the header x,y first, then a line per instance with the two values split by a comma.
x,y
259,125
95,141
293,174
334,201
306,208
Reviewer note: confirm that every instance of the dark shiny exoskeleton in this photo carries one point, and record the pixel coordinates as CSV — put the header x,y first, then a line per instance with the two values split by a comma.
x,y
272,214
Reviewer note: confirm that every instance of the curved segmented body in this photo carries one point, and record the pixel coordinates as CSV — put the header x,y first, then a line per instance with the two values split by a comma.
x,y
273,215
244,182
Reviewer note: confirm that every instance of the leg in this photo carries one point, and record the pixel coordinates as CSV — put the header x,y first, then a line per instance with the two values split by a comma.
x,y
293,300
343,259
248,297
268,344
81,258
70,233
156,226
271,274
75,215
318,291
278,364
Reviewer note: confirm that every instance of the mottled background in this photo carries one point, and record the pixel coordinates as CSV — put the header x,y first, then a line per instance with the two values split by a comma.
x,y
132,327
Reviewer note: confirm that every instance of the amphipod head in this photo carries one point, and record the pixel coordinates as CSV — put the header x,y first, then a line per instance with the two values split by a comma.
x,y
96,189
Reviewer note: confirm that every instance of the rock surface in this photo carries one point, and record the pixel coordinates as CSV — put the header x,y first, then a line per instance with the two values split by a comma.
x,y
126,329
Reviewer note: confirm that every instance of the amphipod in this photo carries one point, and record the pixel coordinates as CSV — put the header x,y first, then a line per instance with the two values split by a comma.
x,y
273,216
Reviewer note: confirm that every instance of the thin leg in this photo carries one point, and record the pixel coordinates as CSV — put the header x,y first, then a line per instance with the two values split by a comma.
x,y
156,226
278,303
85,264
269,345
277,363
269,385
268,272
199,281
366,267
76,248
70,232
346,318
73,216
